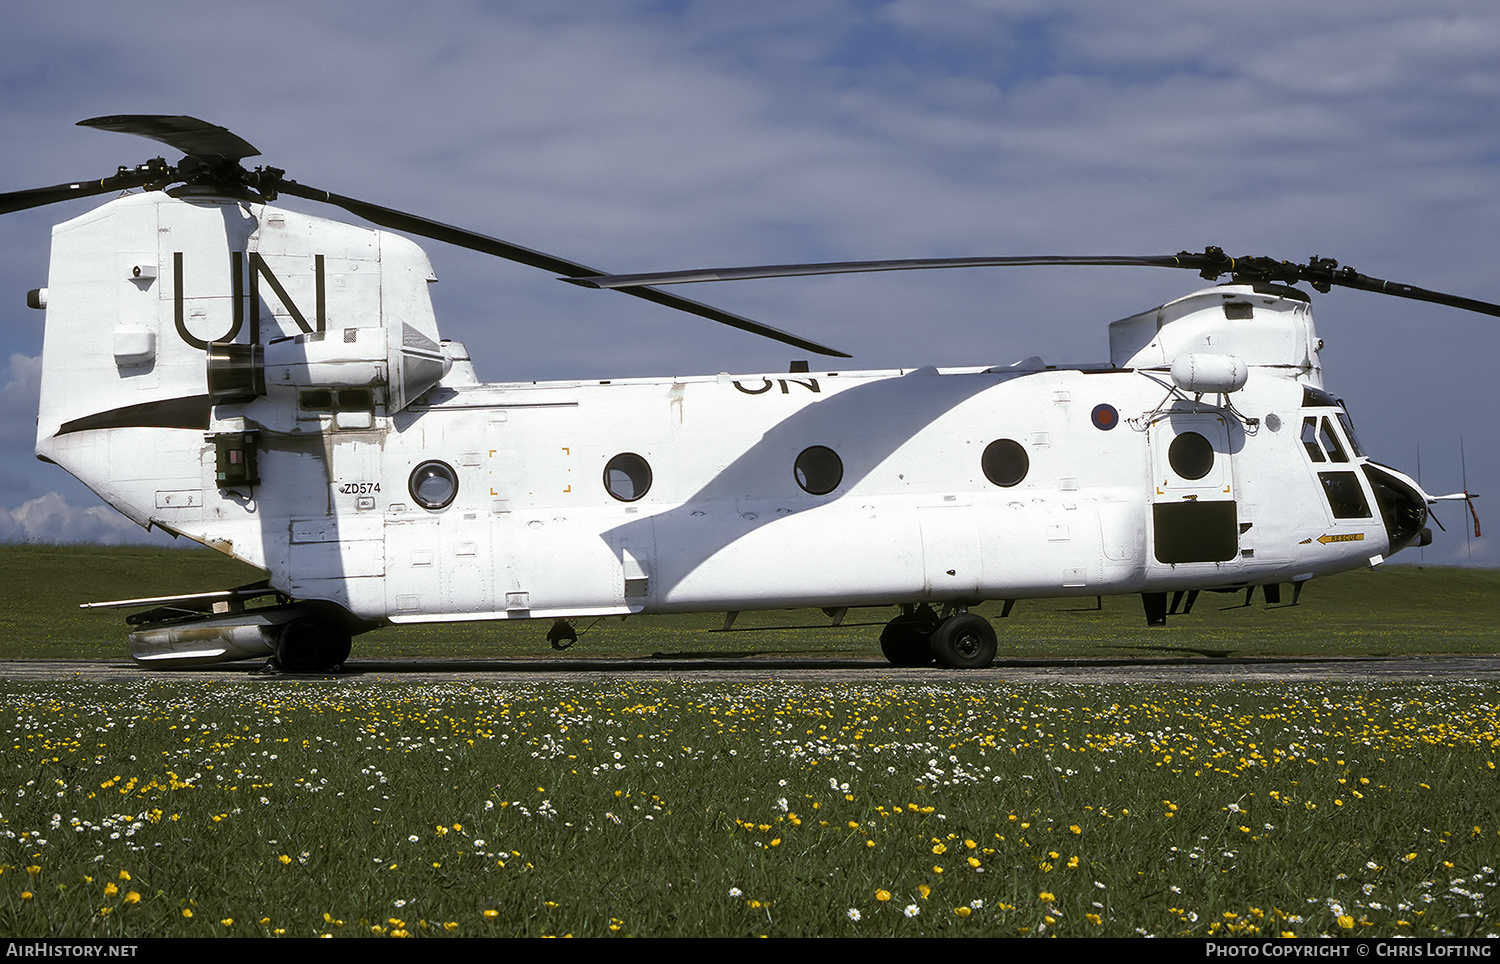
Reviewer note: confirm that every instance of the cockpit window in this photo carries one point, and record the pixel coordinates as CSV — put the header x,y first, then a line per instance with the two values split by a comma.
x,y
1344,495
1348,424
1322,440
1310,439
1331,443
1317,398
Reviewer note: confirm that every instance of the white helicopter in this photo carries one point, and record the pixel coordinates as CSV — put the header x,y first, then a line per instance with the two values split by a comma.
x,y
274,385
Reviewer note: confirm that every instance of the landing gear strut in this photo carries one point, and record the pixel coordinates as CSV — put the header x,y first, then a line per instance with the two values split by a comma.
x,y
957,640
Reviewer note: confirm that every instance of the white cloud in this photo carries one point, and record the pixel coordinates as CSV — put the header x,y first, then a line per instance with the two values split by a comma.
x,y
50,518
18,399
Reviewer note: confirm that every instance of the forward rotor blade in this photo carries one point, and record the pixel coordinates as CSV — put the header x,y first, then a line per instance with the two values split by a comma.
x,y
438,231
856,267
123,181
1211,263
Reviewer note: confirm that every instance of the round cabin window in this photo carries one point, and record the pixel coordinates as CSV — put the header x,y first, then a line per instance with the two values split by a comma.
x,y
818,470
1191,456
433,485
1005,462
627,477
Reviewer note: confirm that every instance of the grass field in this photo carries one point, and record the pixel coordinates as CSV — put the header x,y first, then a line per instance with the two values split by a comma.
x,y
187,805
181,807
1391,610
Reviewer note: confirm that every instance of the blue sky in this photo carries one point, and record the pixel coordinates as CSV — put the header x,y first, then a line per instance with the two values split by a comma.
x,y
645,136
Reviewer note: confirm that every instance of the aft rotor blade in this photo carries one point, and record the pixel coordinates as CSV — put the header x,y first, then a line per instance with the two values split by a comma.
x,y
191,136
123,181
438,231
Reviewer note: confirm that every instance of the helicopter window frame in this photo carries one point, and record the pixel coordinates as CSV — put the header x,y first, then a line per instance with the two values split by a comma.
x,y
627,477
818,470
1005,462
420,485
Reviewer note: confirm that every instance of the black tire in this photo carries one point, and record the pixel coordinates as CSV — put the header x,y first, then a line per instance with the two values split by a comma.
x,y
904,639
311,646
964,641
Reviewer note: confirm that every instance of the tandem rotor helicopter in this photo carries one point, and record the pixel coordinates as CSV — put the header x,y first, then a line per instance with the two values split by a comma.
x,y
274,385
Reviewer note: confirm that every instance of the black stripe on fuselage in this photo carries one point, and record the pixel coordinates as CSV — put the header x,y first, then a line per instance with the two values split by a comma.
x,y
190,412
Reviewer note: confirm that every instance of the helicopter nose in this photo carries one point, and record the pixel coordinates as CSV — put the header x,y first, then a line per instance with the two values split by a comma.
x,y
1403,506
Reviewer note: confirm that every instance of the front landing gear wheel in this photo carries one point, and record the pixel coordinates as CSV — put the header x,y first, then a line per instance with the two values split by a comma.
x,y
964,641
904,639
311,646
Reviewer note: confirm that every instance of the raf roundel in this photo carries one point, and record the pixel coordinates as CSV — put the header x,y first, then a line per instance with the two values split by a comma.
x,y
1105,417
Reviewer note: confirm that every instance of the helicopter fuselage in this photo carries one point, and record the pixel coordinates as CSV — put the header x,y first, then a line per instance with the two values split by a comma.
x,y
274,385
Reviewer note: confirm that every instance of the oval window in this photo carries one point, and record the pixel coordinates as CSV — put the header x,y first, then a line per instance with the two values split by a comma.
x,y
1191,455
433,485
818,470
1005,462
627,477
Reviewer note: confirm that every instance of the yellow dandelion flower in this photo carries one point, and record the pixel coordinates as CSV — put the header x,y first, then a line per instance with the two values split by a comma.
x,y
882,895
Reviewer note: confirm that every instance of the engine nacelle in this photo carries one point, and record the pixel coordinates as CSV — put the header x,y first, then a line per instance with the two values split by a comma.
x,y
343,373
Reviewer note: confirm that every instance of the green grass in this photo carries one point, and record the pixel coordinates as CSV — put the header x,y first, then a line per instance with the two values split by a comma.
x,y
1393,610
179,806
184,805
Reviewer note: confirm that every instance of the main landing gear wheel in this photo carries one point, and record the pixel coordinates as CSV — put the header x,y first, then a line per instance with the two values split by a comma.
x,y
311,646
904,639
963,641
